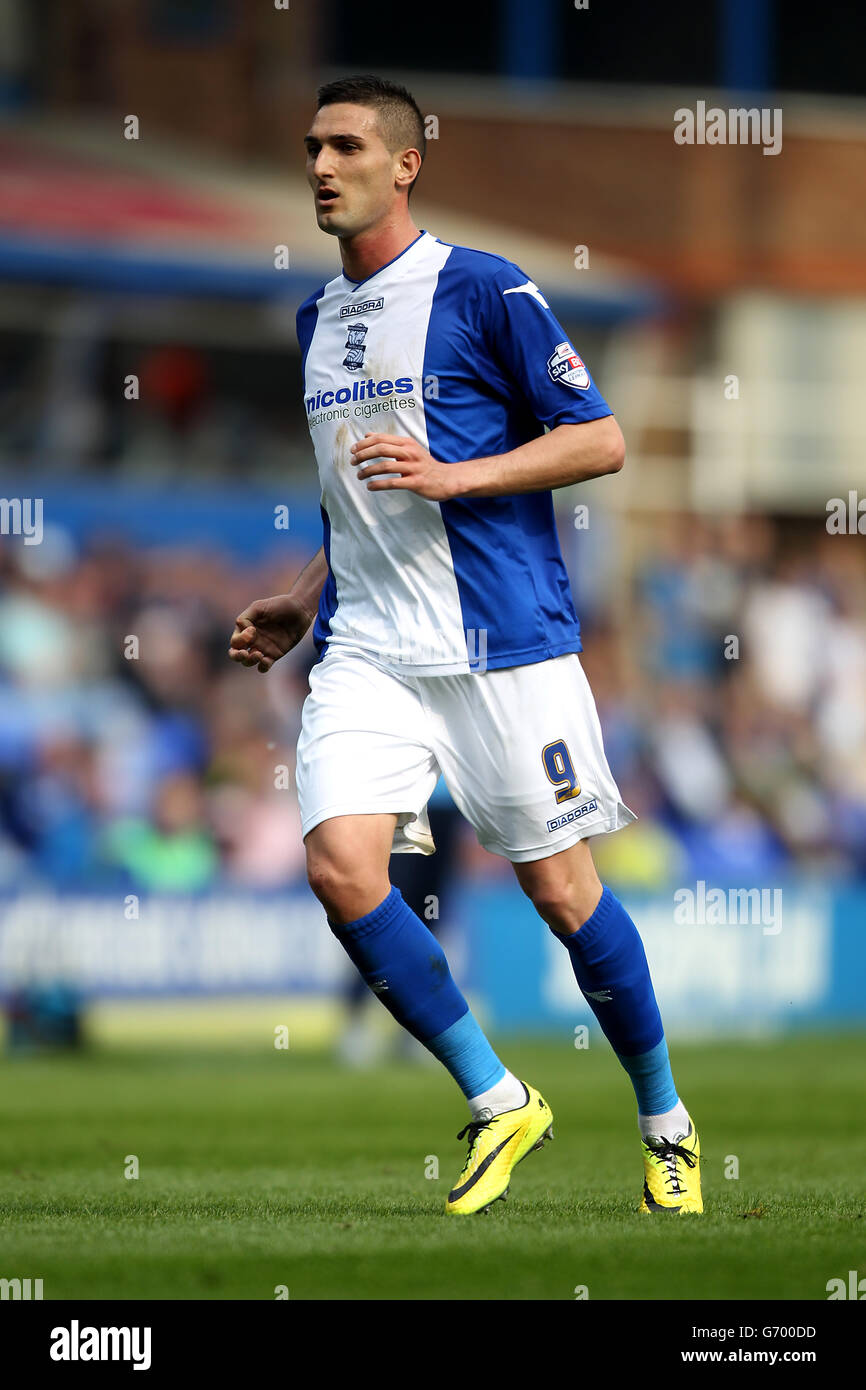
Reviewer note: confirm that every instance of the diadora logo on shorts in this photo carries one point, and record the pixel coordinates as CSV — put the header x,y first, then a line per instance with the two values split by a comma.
x,y
559,821
366,306
566,367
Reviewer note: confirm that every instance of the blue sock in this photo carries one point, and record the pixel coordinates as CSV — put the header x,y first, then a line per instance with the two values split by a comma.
x,y
610,966
404,965
653,1081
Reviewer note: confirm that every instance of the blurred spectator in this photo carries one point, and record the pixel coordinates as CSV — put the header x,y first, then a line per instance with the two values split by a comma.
x,y
173,850
174,769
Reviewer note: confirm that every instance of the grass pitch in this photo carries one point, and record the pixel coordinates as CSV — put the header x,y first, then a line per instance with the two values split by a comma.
x,y
266,1168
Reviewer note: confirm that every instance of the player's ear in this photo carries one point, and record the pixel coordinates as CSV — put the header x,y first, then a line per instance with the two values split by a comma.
x,y
407,168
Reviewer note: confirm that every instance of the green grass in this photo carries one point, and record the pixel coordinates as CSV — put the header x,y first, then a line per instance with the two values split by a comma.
x,y
281,1168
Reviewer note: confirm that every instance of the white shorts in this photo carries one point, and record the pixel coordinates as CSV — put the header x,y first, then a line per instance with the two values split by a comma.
x,y
520,749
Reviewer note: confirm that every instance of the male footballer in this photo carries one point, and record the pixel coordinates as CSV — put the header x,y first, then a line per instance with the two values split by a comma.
x,y
446,632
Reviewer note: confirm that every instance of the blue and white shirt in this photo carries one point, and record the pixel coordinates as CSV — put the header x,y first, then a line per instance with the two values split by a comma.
x,y
459,350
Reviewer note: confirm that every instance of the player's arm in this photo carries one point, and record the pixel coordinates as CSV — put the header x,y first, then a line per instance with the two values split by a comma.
x,y
569,454
270,627
522,352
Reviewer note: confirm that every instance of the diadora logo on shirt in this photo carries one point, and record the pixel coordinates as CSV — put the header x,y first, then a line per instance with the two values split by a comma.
x,y
366,306
566,367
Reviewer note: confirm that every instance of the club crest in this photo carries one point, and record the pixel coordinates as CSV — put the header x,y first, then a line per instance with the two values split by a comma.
x,y
354,359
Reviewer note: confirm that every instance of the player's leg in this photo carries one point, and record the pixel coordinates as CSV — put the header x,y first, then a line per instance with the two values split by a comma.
x,y
359,790
416,876
347,863
393,950
610,966
424,880
397,954
523,755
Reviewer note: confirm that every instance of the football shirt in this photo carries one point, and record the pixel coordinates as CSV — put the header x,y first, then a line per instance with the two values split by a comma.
x,y
459,350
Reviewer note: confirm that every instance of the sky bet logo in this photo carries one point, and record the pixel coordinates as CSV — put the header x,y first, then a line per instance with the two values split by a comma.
x,y
360,391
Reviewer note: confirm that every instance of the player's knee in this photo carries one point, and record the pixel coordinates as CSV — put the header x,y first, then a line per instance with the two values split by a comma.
x,y
328,879
343,889
563,904
554,905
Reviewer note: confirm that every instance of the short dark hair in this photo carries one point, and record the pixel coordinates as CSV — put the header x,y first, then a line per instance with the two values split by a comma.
x,y
399,114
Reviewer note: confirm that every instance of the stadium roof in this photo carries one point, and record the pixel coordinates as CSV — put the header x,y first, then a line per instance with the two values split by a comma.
x,y
82,206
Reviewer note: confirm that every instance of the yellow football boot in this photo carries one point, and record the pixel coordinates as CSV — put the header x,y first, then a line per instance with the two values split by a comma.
x,y
672,1169
497,1143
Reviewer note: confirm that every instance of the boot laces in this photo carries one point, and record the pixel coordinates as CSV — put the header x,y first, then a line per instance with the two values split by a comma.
x,y
474,1129
669,1151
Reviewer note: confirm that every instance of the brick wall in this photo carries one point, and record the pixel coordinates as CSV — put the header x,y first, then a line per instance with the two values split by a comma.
x,y
703,218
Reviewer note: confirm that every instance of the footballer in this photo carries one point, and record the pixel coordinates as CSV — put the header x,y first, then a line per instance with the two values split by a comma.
x,y
445,402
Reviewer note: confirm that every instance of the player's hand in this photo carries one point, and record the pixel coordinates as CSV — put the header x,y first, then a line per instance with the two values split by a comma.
x,y
395,453
267,629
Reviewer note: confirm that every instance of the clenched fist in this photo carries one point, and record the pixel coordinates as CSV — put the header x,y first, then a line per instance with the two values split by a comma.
x,y
268,629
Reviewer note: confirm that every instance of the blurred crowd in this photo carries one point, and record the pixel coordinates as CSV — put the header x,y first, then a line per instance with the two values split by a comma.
x,y
733,701
180,411
730,679
133,752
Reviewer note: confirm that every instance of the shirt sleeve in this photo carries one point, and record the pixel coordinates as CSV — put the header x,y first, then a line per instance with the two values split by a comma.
x,y
528,349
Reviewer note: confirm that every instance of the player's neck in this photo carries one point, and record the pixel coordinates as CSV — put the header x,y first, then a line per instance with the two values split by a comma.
x,y
369,250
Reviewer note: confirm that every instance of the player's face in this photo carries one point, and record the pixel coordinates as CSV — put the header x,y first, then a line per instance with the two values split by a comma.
x,y
350,169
